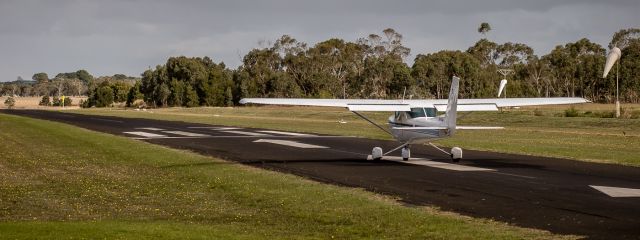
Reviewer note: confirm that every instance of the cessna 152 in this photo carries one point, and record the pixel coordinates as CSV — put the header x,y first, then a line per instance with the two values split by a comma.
x,y
416,121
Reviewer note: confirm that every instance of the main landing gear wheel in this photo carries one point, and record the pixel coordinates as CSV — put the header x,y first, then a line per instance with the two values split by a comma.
x,y
456,154
376,153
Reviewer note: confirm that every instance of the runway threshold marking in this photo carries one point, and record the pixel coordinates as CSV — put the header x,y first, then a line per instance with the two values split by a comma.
x,y
617,191
151,129
146,134
289,143
429,163
188,134
246,133
285,133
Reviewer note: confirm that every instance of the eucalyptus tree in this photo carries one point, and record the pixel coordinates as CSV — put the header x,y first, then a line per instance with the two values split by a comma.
x,y
434,70
40,77
484,28
624,38
383,65
628,40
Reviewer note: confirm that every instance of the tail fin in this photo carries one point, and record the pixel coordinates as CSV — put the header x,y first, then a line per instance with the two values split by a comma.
x,y
452,106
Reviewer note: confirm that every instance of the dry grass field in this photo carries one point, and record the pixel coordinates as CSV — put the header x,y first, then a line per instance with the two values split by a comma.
x,y
32,102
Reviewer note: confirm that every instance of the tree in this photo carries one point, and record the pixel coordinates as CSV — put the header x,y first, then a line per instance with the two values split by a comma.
x,y
624,38
484,28
629,73
191,97
10,89
177,93
510,54
433,72
84,76
163,93
229,97
58,85
40,77
103,96
134,94
486,51
536,70
120,91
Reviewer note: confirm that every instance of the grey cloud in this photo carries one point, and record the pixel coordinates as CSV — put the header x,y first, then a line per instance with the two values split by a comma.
x,y
108,37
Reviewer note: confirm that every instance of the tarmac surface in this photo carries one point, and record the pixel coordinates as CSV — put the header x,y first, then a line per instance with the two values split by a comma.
x,y
600,201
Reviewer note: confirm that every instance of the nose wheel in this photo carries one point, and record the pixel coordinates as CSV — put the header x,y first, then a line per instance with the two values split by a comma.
x,y
377,154
406,153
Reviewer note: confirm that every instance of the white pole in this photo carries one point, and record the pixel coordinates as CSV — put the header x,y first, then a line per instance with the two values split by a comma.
x,y
617,94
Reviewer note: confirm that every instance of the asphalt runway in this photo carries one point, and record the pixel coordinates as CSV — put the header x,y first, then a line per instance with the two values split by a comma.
x,y
600,201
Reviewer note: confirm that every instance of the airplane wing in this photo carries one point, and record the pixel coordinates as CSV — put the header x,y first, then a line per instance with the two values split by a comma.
x,y
464,105
444,128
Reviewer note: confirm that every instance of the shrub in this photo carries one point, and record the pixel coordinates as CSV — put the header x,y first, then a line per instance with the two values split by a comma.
x,y
58,103
10,102
571,112
606,114
538,112
45,101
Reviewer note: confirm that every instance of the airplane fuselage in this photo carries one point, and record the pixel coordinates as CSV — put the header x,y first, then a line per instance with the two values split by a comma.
x,y
400,125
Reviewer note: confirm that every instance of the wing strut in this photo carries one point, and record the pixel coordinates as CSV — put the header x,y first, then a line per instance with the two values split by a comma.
x,y
375,124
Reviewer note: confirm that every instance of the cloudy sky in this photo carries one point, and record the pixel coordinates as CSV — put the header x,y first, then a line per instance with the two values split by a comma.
x,y
109,37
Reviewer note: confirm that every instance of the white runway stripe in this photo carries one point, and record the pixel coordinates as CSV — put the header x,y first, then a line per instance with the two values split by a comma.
x,y
151,129
246,133
289,143
146,134
617,191
286,133
188,134
429,163
217,128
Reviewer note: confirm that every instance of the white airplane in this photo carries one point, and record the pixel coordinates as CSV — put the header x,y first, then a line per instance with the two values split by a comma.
x,y
416,121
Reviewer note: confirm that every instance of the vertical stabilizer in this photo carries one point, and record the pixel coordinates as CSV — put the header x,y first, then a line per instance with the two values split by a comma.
x,y
452,106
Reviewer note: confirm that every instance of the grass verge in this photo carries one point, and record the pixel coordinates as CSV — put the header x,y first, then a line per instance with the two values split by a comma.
x,y
59,181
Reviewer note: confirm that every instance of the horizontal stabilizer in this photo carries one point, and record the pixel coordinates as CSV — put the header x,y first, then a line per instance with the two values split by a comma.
x,y
478,128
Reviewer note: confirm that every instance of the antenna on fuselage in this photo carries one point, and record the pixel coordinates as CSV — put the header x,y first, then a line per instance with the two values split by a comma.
x,y
403,93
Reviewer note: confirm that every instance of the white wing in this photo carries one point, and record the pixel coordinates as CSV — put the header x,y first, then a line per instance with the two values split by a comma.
x,y
464,105
443,128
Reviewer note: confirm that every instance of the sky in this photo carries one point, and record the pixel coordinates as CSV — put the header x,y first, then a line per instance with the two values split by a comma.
x,y
128,37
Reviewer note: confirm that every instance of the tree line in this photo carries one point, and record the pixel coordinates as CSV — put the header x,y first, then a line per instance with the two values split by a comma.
x,y
371,67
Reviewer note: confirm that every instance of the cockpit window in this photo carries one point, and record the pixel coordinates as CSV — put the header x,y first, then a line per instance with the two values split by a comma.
x,y
417,112
421,112
431,112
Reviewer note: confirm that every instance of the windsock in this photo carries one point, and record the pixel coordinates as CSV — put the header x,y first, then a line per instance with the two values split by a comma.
x,y
503,83
614,55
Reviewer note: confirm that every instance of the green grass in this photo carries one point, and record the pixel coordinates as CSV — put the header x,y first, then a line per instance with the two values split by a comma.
x,y
532,131
59,181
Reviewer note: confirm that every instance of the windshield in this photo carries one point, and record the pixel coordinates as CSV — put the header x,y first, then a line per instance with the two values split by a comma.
x,y
422,112
417,112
